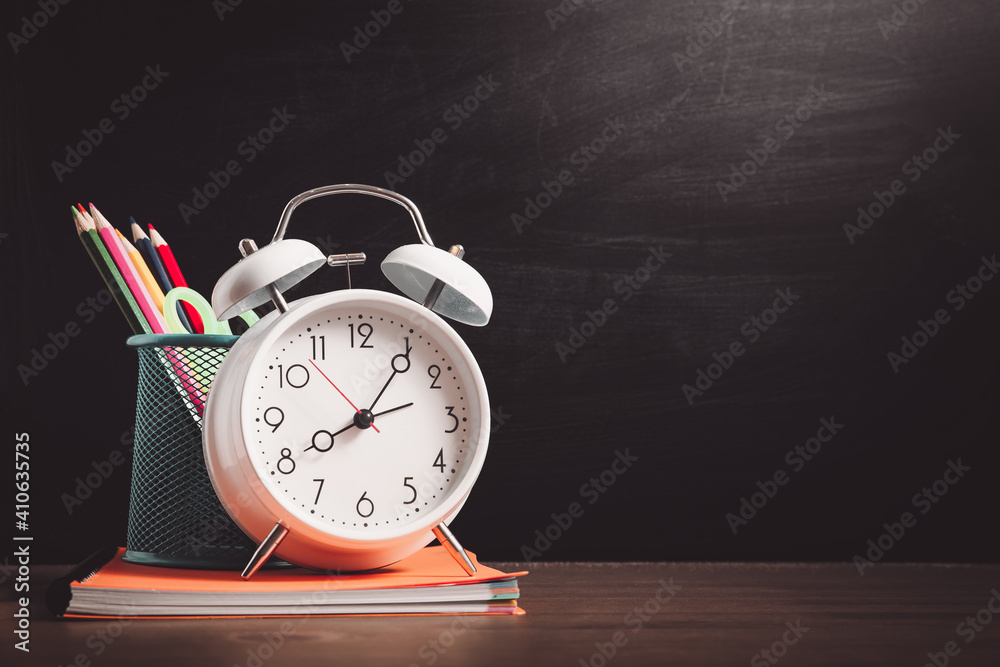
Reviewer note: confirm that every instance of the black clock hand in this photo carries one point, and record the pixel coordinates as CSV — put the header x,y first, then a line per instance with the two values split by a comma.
x,y
348,427
330,435
398,407
405,356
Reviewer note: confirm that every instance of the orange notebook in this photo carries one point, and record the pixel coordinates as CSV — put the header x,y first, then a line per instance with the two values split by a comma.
x,y
427,582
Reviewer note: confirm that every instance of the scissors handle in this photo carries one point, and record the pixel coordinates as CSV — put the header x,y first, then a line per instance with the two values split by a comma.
x,y
202,307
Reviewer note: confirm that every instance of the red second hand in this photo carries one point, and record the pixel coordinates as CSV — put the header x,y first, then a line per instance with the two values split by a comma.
x,y
341,393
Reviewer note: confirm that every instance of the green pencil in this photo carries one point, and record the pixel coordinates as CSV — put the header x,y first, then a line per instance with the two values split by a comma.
x,y
112,277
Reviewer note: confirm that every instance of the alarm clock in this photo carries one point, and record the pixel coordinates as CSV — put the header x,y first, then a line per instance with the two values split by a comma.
x,y
345,430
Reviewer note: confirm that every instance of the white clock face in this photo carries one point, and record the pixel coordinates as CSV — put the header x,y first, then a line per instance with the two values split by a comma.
x,y
364,418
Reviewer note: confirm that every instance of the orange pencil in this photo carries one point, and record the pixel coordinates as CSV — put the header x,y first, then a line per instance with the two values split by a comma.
x,y
139,291
170,263
144,273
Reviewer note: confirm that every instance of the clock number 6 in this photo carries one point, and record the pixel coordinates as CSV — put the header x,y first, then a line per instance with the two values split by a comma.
x,y
371,506
406,483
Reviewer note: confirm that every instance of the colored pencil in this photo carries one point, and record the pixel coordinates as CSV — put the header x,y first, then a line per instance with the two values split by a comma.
x,y
109,272
156,265
167,255
144,273
132,279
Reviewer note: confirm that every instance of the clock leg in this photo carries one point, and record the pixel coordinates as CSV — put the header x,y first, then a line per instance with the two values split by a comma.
x,y
265,550
451,545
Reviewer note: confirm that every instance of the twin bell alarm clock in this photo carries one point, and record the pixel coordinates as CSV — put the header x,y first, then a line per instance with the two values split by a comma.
x,y
344,430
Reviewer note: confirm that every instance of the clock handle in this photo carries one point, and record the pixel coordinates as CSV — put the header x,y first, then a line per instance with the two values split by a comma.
x,y
354,188
265,550
451,545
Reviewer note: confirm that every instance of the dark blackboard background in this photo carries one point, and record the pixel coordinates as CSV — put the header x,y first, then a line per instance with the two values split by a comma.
x,y
654,185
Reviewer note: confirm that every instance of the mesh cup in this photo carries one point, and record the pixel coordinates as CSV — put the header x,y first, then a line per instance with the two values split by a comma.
x,y
175,518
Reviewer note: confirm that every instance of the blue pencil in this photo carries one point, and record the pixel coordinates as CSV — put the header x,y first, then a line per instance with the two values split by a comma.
x,y
153,260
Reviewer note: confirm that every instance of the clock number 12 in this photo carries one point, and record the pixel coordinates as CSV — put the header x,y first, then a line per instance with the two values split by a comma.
x,y
365,331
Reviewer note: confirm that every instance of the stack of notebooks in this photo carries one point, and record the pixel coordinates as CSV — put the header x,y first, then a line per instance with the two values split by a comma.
x,y
427,582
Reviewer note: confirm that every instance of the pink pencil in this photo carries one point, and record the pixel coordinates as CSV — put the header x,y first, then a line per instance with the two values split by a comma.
x,y
135,285
149,310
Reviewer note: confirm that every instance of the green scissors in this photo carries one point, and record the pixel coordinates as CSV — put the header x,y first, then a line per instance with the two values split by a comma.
x,y
204,310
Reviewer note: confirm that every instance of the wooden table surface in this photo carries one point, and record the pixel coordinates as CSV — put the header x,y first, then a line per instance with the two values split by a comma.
x,y
706,614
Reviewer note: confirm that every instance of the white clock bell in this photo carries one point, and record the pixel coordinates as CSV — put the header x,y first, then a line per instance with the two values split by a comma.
x,y
345,430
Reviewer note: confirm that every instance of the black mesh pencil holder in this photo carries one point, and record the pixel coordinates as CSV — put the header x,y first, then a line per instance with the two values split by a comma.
x,y
174,518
